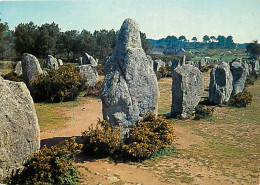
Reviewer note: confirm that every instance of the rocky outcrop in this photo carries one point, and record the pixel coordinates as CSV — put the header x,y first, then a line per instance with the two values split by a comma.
x,y
51,63
239,77
90,72
30,67
130,88
87,59
187,87
220,87
19,129
18,69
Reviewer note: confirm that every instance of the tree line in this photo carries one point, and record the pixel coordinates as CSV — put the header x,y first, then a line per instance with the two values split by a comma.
x,y
49,39
208,41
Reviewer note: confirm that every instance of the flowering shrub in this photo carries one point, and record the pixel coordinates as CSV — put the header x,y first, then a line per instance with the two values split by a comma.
x,y
202,112
145,139
51,165
62,85
149,135
94,90
102,140
241,99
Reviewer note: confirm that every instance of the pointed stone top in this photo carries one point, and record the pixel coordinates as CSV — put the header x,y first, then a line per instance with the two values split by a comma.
x,y
129,36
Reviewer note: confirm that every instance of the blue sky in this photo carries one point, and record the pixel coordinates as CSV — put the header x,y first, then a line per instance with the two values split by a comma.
x,y
157,18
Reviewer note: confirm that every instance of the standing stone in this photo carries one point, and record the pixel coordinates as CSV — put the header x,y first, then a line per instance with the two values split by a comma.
x,y
245,66
151,62
187,87
130,88
90,72
220,87
202,64
31,68
239,77
178,62
51,63
60,62
158,64
255,66
19,129
87,59
18,69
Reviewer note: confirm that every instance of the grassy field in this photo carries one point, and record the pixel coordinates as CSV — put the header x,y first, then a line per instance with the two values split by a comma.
x,y
51,115
228,153
6,66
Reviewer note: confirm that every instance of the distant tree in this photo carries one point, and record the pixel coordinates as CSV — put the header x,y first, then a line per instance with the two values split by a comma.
x,y
88,42
229,42
254,49
194,39
68,43
146,45
182,38
6,40
213,38
221,41
47,39
206,38
25,38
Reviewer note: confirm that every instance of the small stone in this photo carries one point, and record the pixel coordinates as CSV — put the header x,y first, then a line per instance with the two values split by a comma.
x,y
96,173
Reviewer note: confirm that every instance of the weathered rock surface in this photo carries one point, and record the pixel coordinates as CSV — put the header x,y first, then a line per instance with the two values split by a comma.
x,y
150,61
158,64
187,87
18,69
51,63
31,68
87,59
19,129
239,77
255,66
130,88
246,66
202,63
60,62
220,87
90,72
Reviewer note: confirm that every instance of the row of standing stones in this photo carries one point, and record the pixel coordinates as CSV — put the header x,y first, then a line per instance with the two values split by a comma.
x,y
129,91
19,128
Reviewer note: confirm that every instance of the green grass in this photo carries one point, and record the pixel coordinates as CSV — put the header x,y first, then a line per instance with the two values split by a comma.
x,y
230,141
6,66
51,115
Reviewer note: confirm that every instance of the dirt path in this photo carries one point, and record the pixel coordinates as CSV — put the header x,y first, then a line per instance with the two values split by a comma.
x,y
100,171
84,115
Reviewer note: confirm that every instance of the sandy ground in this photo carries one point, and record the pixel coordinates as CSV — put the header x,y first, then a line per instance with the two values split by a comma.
x,y
100,171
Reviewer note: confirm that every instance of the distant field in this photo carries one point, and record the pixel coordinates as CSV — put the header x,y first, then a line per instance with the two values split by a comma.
x,y
6,66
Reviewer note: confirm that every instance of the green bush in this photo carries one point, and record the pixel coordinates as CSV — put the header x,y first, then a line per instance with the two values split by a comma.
x,y
51,166
148,136
202,112
102,140
94,90
13,77
158,75
145,139
62,85
241,99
